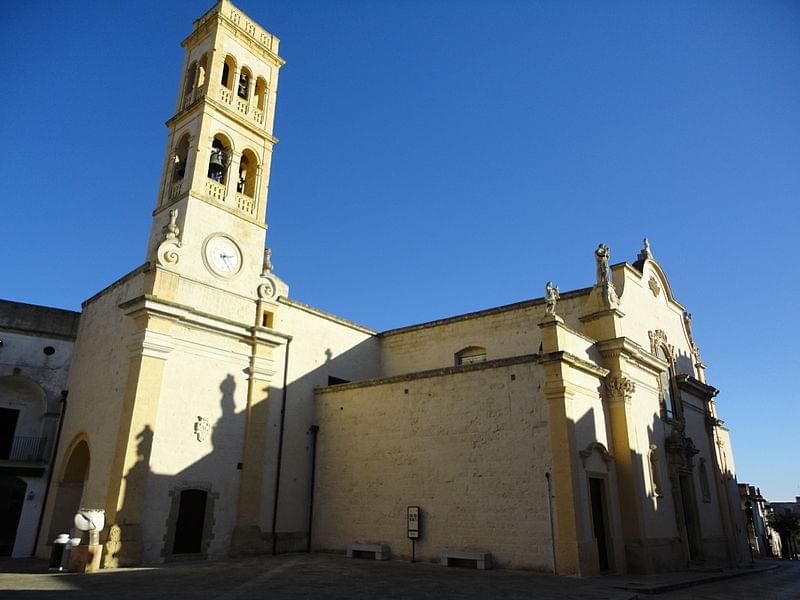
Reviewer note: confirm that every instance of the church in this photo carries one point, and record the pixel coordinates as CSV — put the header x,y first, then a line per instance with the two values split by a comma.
x,y
212,415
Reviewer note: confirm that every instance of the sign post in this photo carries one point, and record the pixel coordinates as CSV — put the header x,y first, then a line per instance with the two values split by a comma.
x,y
414,528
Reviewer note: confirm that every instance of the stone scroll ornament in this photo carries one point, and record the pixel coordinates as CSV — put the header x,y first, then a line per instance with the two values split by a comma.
x,y
167,253
267,290
551,296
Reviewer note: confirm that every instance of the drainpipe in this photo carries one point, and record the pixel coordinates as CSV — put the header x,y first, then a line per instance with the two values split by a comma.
x,y
64,394
280,450
313,430
550,511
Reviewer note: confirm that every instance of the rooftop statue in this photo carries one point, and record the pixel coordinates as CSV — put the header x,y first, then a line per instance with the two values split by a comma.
x,y
645,252
551,296
602,256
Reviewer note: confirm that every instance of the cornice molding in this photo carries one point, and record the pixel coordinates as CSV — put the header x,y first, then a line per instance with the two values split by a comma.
x,y
696,387
444,371
153,306
613,312
626,347
576,362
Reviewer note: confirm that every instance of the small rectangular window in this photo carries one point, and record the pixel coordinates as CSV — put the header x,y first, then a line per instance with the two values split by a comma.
x,y
267,319
471,360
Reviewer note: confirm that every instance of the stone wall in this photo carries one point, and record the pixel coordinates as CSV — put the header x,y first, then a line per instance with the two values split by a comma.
x,y
469,445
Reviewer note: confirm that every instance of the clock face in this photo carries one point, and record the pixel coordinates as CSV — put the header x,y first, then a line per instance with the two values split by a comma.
x,y
223,256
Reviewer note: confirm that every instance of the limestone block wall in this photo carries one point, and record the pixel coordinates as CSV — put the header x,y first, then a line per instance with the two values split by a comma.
x,y
504,331
469,445
322,346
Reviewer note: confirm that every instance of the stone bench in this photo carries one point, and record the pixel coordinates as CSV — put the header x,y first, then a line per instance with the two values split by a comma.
x,y
380,551
483,560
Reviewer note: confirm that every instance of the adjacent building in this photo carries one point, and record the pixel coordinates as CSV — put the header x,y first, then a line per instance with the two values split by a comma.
x,y
35,350
764,541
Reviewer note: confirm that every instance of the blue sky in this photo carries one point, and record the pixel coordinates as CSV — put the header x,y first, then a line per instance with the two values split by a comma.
x,y
442,157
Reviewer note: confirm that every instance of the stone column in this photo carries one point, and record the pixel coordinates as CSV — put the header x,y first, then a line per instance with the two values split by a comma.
x,y
232,179
251,99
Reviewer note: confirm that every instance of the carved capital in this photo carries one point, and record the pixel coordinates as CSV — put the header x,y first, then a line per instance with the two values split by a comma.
x,y
620,388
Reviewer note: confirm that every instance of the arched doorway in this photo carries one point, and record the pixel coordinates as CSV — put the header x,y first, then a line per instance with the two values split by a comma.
x,y
70,489
12,497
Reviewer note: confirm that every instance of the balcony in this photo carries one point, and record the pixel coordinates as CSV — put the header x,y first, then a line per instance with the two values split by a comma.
x,y
215,190
258,116
26,456
175,189
245,203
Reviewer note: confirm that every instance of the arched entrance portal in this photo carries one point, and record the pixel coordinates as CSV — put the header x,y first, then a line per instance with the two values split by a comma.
x,y
12,497
70,490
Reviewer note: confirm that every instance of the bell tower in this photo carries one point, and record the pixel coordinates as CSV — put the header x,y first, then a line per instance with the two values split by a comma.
x,y
197,318
209,220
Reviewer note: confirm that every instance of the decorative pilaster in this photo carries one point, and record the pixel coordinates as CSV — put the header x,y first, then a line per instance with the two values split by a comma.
x,y
247,535
127,484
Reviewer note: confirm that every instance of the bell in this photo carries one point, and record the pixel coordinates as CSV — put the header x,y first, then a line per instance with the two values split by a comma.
x,y
216,166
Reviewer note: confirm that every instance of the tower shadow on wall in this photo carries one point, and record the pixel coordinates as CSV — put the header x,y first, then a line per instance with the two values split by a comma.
x,y
203,495
189,529
183,501
124,537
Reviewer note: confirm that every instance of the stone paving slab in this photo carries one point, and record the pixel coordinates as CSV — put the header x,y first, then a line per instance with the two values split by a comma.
x,y
300,576
327,576
668,582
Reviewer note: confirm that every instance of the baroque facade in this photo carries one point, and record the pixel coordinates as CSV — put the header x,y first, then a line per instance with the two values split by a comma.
x,y
211,415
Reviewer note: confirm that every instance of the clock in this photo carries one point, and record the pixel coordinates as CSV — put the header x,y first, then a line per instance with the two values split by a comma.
x,y
222,256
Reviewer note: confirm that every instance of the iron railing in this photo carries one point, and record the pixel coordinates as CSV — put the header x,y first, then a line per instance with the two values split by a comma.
x,y
27,449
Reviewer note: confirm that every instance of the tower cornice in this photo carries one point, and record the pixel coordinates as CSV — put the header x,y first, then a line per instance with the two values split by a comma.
x,y
230,113
251,33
